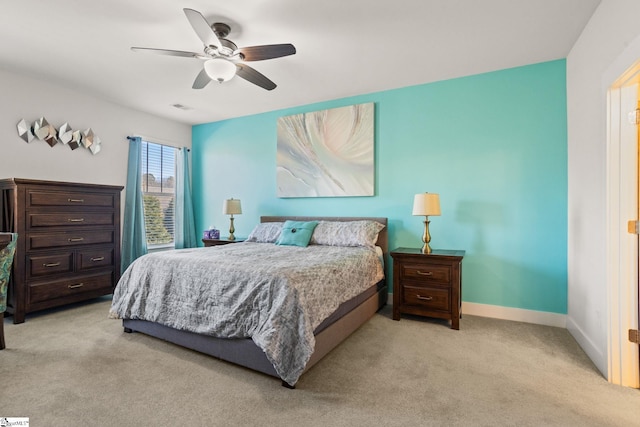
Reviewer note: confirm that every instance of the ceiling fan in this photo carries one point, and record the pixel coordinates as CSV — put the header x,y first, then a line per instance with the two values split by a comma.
x,y
222,58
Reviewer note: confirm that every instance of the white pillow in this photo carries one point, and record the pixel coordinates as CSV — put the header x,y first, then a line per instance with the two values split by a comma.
x,y
265,232
346,233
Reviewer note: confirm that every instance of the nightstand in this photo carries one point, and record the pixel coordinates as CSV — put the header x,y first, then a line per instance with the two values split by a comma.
x,y
427,284
218,242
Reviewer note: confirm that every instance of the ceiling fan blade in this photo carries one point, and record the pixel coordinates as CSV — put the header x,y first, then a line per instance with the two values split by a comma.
x,y
202,79
270,51
202,27
167,52
255,77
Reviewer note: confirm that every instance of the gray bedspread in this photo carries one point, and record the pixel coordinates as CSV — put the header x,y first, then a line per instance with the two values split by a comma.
x,y
275,295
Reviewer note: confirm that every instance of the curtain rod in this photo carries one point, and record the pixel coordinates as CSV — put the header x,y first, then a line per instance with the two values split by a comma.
x,y
153,140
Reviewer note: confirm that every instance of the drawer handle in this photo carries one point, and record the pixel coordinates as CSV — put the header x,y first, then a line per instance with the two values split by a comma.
x,y
53,264
76,239
422,273
99,258
77,285
76,219
420,297
76,200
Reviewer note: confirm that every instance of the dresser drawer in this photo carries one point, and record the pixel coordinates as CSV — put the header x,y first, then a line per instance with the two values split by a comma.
x,y
427,273
431,298
70,219
37,198
62,288
50,264
94,259
42,241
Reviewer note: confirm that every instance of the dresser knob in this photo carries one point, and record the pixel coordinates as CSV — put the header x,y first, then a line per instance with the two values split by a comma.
x,y
96,259
77,285
422,273
76,219
420,297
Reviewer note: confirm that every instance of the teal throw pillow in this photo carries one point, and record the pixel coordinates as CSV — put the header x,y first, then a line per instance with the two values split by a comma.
x,y
296,233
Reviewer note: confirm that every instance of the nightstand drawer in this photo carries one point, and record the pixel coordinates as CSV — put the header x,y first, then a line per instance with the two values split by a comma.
x,y
427,273
432,298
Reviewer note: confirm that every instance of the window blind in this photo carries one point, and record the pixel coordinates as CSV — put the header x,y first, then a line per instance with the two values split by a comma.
x,y
158,188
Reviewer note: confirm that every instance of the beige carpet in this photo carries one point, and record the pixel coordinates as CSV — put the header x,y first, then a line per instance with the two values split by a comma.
x,y
75,367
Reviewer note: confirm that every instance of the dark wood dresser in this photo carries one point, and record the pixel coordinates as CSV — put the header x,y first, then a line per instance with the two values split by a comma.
x,y
427,284
68,242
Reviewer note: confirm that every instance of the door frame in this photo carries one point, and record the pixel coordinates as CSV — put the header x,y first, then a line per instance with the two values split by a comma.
x,y
622,247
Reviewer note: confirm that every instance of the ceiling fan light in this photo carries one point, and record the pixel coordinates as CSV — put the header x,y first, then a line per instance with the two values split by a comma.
x,y
219,69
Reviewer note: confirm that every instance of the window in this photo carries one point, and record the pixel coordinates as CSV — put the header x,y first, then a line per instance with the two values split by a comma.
x,y
158,191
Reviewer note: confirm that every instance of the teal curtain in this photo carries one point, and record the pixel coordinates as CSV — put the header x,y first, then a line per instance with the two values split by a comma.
x,y
134,239
185,231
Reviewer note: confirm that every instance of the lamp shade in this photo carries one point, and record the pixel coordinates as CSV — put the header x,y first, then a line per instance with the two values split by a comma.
x,y
220,69
427,204
231,207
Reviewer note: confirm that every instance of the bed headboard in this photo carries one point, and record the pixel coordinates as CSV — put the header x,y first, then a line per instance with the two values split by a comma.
x,y
383,239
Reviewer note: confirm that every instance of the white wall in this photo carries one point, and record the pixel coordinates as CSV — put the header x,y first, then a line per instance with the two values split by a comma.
x,y
612,28
26,98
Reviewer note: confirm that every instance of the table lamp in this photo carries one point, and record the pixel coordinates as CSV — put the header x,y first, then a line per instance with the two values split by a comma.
x,y
231,207
427,204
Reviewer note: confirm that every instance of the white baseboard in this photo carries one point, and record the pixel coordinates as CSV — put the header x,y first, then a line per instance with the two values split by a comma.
x,y
515,314
596,356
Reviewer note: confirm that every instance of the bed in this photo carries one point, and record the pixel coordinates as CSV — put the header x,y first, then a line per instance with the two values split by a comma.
x,y
272,320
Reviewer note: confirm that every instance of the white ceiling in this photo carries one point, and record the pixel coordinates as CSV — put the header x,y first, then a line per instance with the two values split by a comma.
x,y
344,47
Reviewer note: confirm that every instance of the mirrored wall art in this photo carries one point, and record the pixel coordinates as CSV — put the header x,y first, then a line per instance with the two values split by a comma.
x,y
25,132
41,128
87,139
65,133
96,146
44,131
76,139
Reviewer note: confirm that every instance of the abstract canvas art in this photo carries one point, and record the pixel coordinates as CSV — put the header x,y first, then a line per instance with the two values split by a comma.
x,y
326,153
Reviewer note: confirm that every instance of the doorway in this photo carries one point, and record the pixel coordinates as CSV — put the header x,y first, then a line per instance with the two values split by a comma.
x,y
623,178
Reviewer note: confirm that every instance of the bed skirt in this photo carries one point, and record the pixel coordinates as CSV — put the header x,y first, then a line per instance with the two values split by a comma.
x,y
245,352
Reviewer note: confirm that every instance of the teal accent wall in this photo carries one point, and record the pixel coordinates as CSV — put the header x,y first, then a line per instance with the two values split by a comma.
x,y
494,146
